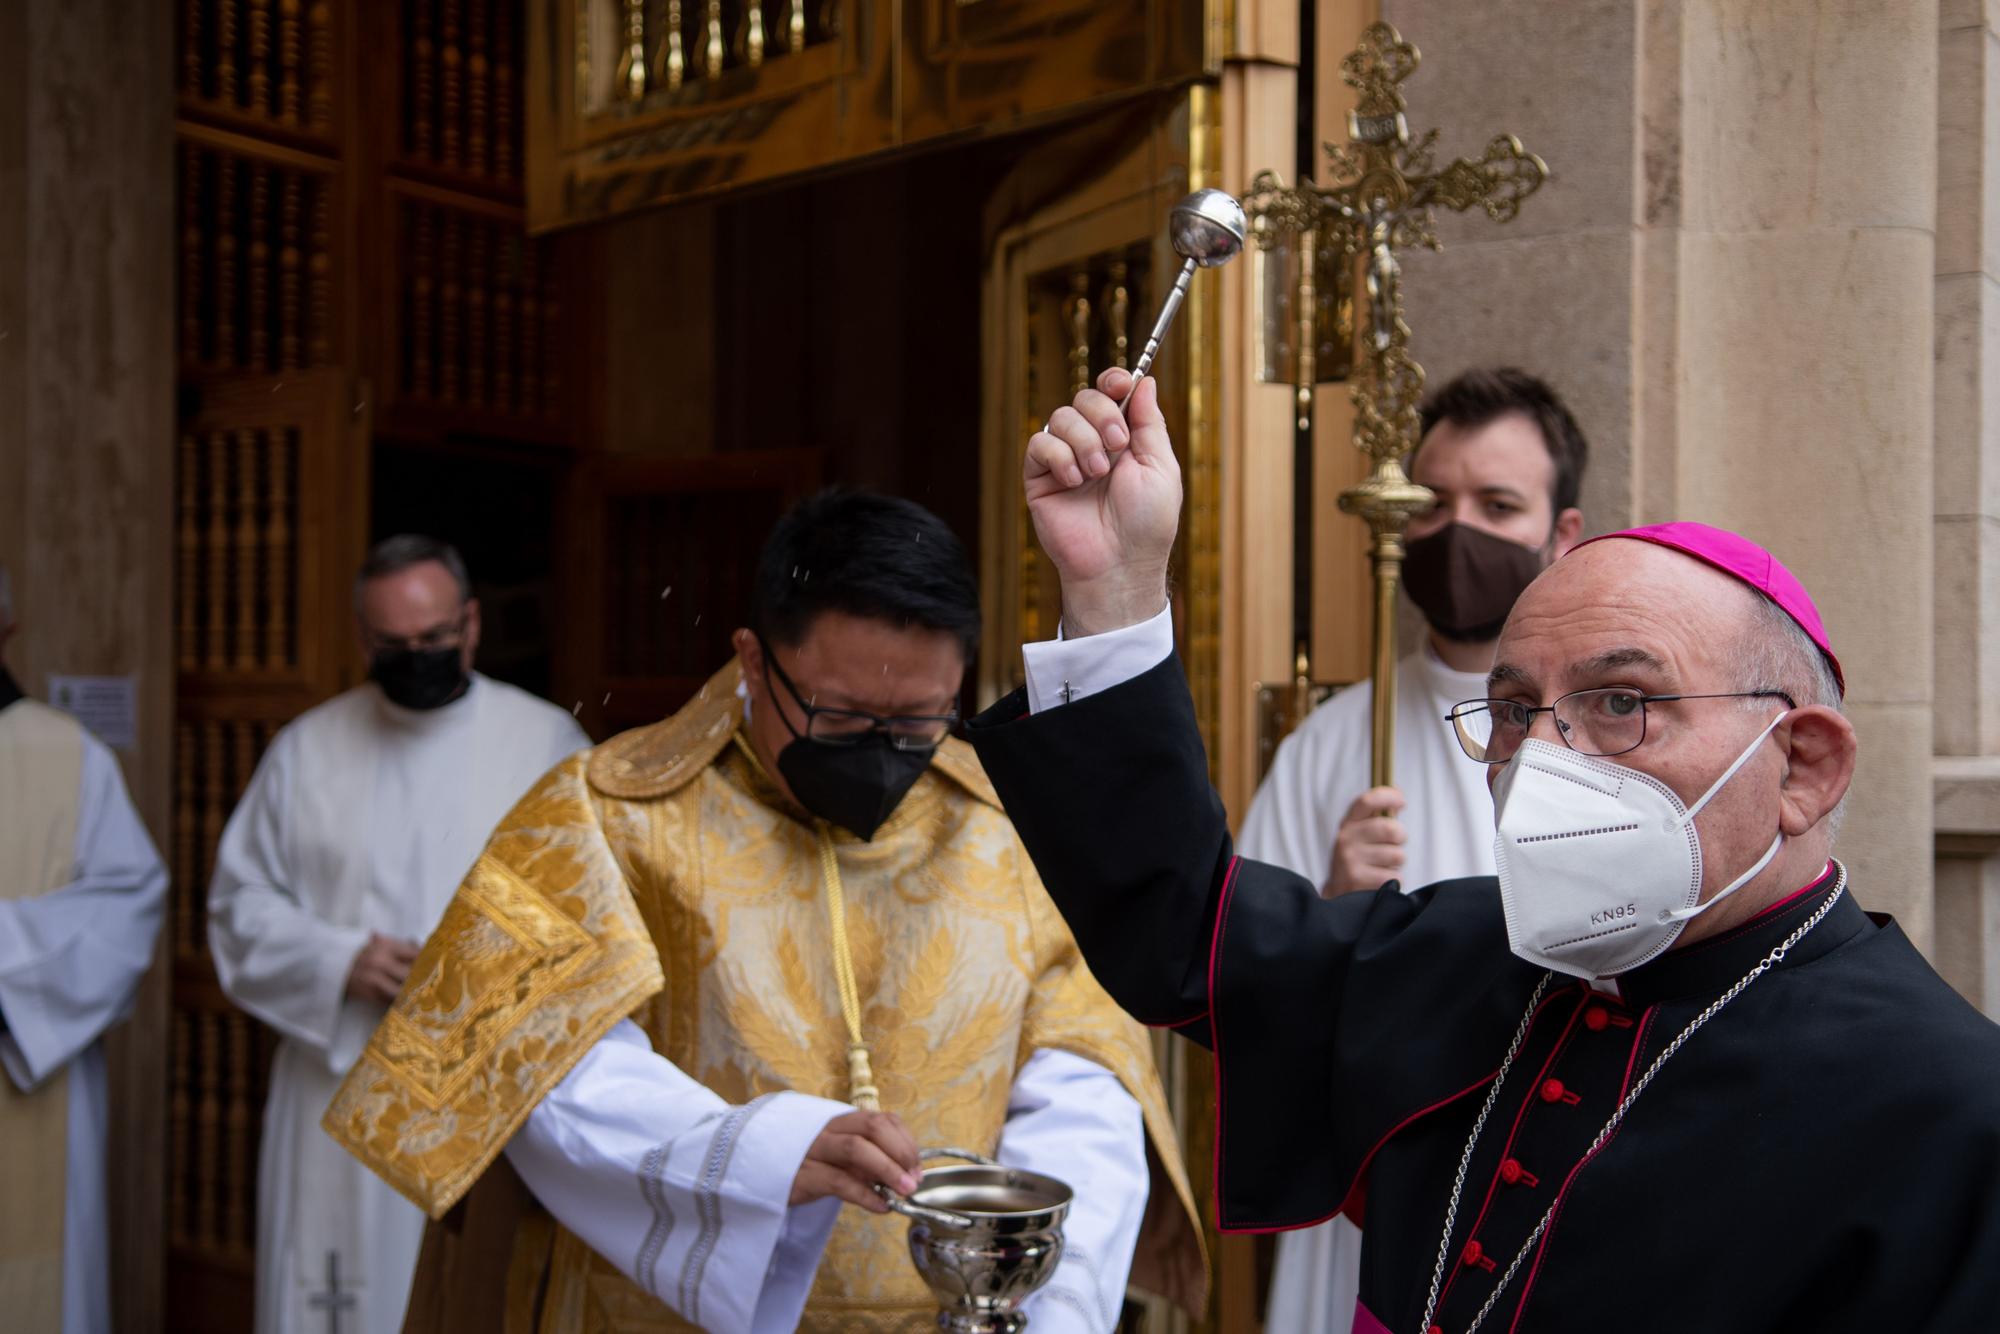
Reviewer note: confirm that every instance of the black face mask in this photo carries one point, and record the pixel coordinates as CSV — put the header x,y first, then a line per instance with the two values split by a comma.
x,y
419,678
856,787
1466,581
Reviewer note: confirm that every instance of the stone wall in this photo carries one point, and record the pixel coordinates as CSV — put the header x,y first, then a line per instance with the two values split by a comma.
x,y
1730,276
1966,729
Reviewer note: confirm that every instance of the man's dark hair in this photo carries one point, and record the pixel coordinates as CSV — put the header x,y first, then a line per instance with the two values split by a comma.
x,y
1480,396
867,555
393,555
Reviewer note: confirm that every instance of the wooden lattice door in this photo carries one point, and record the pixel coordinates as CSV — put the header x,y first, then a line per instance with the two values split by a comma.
x,y
269,525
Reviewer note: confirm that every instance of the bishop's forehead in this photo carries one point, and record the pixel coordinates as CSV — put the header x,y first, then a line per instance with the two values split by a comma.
x,y
1618,603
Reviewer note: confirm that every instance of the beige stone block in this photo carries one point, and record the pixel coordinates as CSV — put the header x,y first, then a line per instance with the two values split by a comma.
x,y
1968,138
1965,792
1559,306
1967,635
1557,76
1885,840
1655,490
1968,395
1809,115
1967,952
1806,423
1955,14
1658,97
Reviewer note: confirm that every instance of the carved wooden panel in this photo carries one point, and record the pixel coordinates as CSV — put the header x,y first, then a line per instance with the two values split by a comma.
x,y
256,260
459,114
481,328
272,64
637,102
237,534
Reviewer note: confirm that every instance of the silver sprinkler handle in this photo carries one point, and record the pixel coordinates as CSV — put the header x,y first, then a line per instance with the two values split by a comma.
x,y
1168,309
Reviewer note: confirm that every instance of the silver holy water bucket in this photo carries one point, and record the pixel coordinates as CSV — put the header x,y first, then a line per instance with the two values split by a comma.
x,y
983,1237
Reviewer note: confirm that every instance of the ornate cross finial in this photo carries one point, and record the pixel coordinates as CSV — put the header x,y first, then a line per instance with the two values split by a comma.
x,y
1374,70
1385,188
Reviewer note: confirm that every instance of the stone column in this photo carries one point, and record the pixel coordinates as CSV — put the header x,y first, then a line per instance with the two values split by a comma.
x,y
87,449
1730,277
1808,170
1967,502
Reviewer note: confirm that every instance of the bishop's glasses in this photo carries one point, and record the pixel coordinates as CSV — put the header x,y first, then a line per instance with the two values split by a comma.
x,y
1606,721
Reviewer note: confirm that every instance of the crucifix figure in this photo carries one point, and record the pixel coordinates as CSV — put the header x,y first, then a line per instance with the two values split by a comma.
x,y
333,1301
1385,188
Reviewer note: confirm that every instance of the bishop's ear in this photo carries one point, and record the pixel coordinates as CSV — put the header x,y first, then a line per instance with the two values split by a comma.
x,y
1819,764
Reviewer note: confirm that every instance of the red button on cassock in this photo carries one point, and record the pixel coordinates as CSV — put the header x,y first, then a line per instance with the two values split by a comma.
x,y
1553,1091
1474,1253
1510,1172
1596,1019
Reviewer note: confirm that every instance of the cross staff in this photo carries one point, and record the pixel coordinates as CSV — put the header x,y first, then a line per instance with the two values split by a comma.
x,y
1381,203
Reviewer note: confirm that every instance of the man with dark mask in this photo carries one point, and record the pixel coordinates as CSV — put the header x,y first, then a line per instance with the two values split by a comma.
x,y
1505,459
749,959
358,823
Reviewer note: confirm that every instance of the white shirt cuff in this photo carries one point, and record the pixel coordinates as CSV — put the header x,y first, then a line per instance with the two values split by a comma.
x,y
1062,671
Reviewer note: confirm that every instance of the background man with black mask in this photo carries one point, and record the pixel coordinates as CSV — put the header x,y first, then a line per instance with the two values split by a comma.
x,y
1506,460
344,850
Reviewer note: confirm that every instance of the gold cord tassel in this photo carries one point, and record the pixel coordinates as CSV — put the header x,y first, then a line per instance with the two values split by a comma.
x,y
861,1090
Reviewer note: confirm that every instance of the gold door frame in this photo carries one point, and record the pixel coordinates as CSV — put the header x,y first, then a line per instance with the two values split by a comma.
x,y
1027,373
1123,207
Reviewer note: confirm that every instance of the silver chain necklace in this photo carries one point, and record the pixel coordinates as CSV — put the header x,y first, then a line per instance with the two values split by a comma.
x,y
1768,962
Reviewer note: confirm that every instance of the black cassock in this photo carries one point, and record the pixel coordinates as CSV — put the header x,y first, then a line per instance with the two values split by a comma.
x,y
1823,1155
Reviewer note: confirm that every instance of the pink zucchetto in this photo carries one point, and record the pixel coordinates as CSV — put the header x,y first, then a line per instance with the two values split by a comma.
x,y
1743,559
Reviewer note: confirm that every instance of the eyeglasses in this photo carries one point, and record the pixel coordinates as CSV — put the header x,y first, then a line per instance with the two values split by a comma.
x,y
446,635
851,727
1602,722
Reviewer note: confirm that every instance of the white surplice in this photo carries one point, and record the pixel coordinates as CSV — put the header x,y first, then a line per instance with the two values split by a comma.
x,y
687,1194
362,817
1315,776
70,961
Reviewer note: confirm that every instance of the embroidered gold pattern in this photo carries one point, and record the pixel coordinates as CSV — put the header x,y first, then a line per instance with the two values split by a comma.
x,y
662,876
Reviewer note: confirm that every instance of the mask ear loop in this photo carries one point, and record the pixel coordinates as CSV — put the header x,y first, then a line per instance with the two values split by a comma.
x,y
1685,914
1730,772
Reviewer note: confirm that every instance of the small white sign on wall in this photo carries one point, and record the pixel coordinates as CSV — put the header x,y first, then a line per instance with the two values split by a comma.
x,y
107,705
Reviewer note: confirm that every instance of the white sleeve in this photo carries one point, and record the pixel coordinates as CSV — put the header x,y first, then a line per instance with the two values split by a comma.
x,y
1062,671
685,1193
1286,824
569,738
1071,1119
274,956
71,959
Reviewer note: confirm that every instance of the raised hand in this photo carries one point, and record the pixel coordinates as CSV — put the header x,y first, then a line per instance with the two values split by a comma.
x,y
1104,489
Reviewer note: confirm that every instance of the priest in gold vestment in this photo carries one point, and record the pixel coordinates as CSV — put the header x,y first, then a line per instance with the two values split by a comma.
x,y
688,956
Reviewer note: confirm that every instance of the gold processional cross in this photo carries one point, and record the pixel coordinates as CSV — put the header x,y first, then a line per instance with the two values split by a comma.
x,y
1385,188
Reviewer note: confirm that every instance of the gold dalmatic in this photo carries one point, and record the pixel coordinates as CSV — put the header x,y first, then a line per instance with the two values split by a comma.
x,y
663,877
